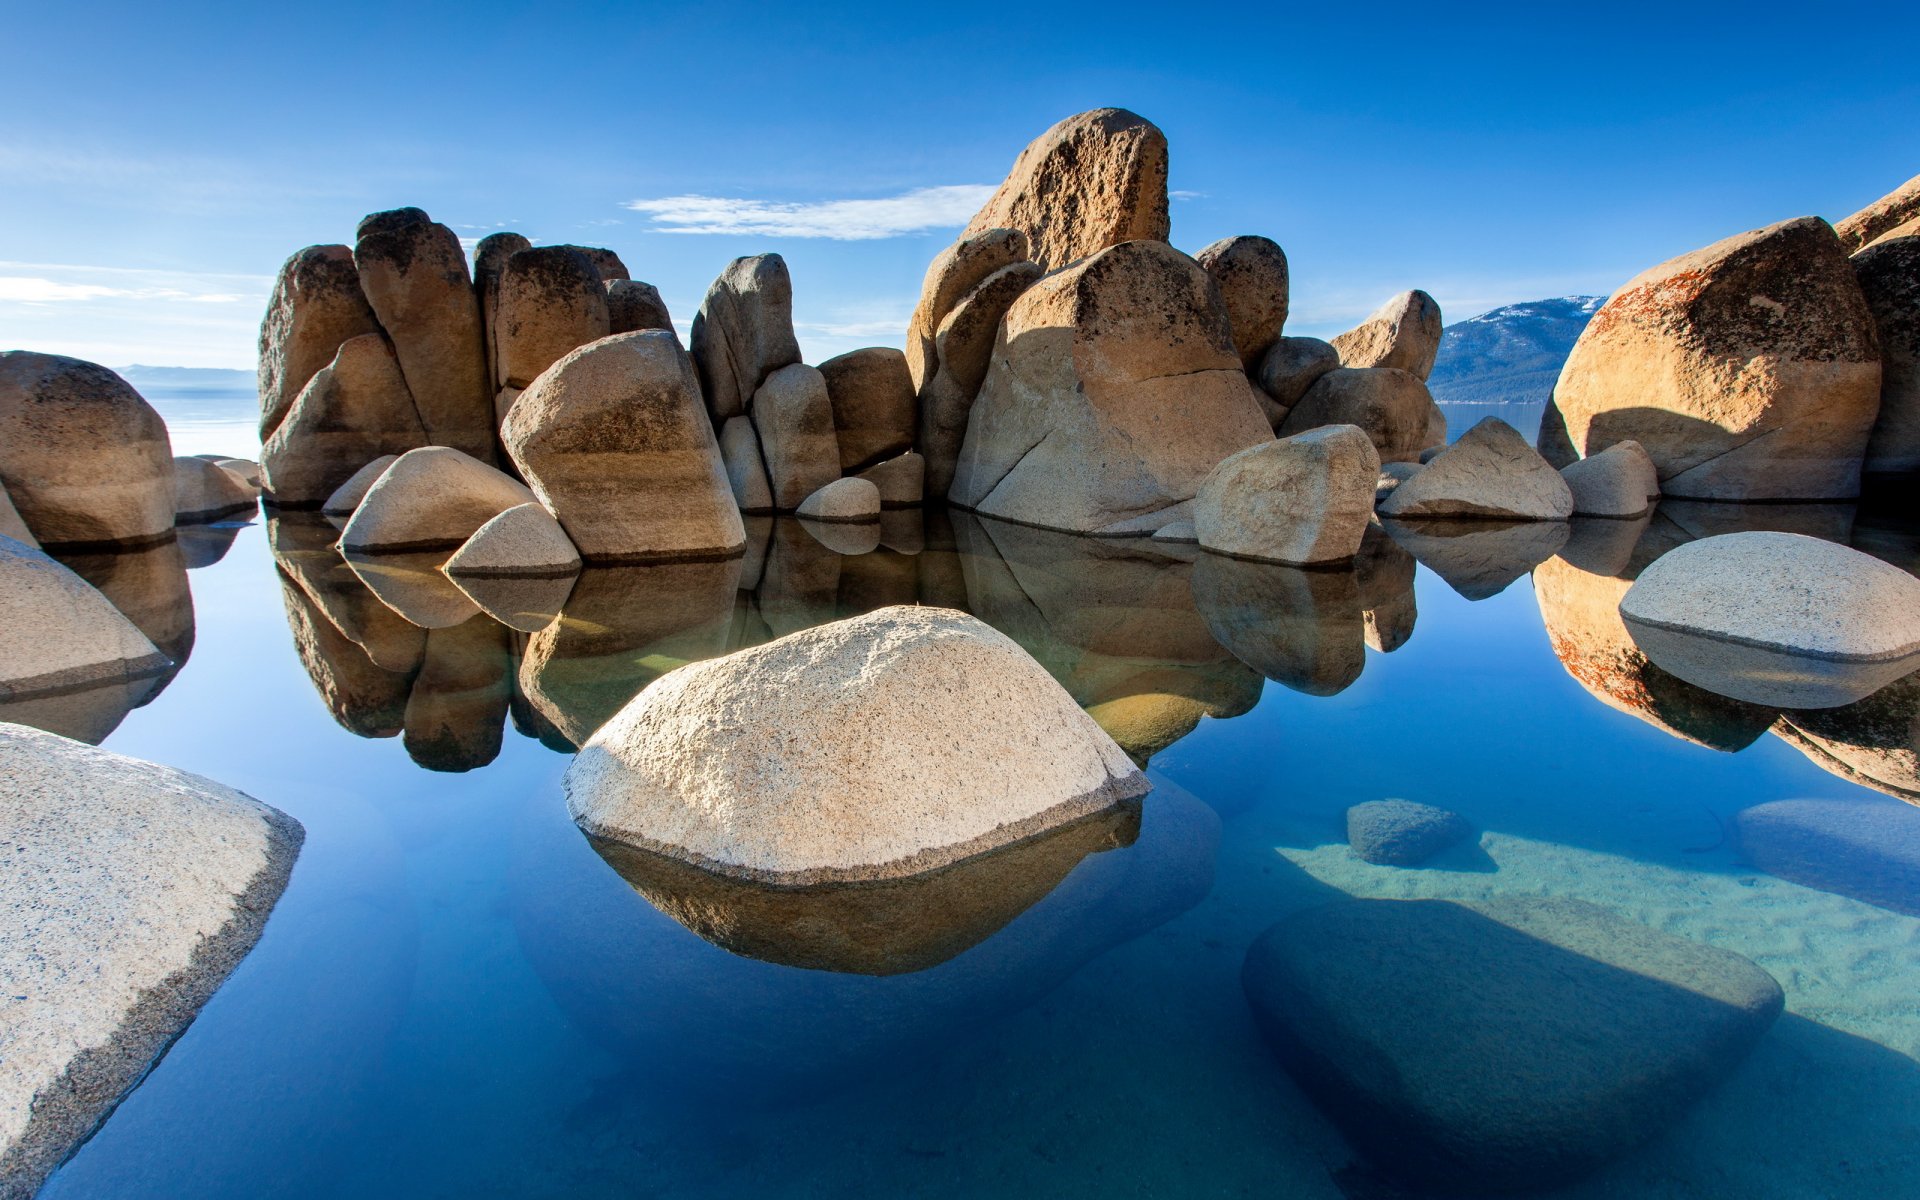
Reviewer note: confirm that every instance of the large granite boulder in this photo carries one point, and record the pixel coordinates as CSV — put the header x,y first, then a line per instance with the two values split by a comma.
x,y
551,302
85,460
131,891
1490,472
1303,499
743,333
633,306
316,306
431,498
1289,367
874,411
1389,404
1876,220
1094,180
953,273
57,633
962,347
793,416
1619,482
1500,1045
1748,370
354,410
1889,275
849,752
205,491
490,257
1252,275
415,276
1777,618
1402,833
1403,333
615,442
1114,389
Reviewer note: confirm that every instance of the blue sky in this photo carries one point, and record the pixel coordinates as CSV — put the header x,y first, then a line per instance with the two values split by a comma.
x,y
157,163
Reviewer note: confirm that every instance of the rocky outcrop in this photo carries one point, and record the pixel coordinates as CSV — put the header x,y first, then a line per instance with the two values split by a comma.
x,y
1777,619
843,500
523,540
317,305
132,890
954,272
836,754
1252,275
1303,499
1094,180
430,498
57,633
1403,333
354,410
1889,275
1291,366
85,460
1591,1033
1876,220
793,416
1114,388
743,333
551,302
1402,833
204,491
1491,472
1748,370
489,262
874,412
633,306
962,346
1618,482
1390,405
614,441
415,277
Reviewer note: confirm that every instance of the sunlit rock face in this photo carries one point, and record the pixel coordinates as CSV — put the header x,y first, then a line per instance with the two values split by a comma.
x,y
1620,482
1296,500
432,498
204,491
317,306
1749,370
1777,618
1403,333
743,333
848,752
1252,275
355,409
1883,217
1391,405
1490,473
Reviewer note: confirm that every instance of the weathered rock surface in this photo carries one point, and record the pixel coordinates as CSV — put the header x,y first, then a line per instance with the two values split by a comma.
x,y
1620,481
132,890
615,442
1590,1033
1402,833
1303,499
793,416
1114,389
1777,619
1490,472
1391,405
415,277
523,540
843,500
745,466
85,460
1403,333
953,273
489,262
1890,211
1867,850
12,526
354,410
743,333
1749,370
1291,366
57,633
316,306
1391,476
900,479
874,410
348,495
1094,180
633,306
962,347
205,491
551,303
245,470
430,498
1889,275
1252,275
846,752
606,263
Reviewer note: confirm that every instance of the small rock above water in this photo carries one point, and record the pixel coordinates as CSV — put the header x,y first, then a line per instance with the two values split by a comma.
x,y
1402,833
843,500
1302,499
1504,1045
523,540
1491,472
430,498
204,491
1619,482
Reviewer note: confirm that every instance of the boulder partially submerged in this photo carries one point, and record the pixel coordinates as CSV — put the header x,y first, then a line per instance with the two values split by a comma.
x,y
57,633
1492,473
204,491
1620,482
430,498
523,540
1303,499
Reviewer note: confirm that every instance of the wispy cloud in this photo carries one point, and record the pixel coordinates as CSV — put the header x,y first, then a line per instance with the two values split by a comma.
x,y
32,289
843,220
1178,194
125,314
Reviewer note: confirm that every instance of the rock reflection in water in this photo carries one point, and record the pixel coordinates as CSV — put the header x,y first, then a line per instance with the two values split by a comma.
x,y
1873,742
1478,559
205,545
303,548
149,586
413,585
524,603
1298,627
458,705
1385,573
87,714
891,927
364,697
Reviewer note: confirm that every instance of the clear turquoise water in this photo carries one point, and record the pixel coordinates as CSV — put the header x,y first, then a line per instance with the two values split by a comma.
x,y
457,996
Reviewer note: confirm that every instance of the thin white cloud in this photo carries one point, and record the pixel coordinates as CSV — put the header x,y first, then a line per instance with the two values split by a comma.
x,y
1178,194
131,314
842,220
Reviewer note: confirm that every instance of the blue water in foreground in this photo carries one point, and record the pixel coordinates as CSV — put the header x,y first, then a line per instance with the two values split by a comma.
x,y
457,996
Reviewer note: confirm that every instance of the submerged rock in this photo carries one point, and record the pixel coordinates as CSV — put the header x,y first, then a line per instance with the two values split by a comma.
x,y
354,410
1402,833
1590,1034
131,891
1777,619
204,491
1389,404
1302,499
1865,849
743,333
1252,275
1619,482
430,498
523,540
1403,333
57,633
317,306
1491,473
898,698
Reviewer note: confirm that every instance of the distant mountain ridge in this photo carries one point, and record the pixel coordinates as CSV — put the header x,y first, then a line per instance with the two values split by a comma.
x,y
225,379
1511,355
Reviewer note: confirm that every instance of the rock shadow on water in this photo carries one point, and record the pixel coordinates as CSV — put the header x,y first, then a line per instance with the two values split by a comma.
x,y
1478,558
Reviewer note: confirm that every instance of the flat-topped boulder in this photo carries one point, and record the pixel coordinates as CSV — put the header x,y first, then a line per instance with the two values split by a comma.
x,y
1251,272
1094,180
1876,220
205,491
85,460
793,417
874,410
347,497
316,306
1777,618
1403,333
1889,275
743,332
523,540
355,409
1490,472
1114,389
1303,499
849,751
1402,833
1590,1034
431,498
551,302
415,277
1748,370
954,272
1391,405
58,633
962,348
1289,367
1620,481
616,443
131,891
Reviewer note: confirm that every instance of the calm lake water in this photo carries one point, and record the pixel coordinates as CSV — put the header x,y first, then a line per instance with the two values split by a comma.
x,y
458,996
